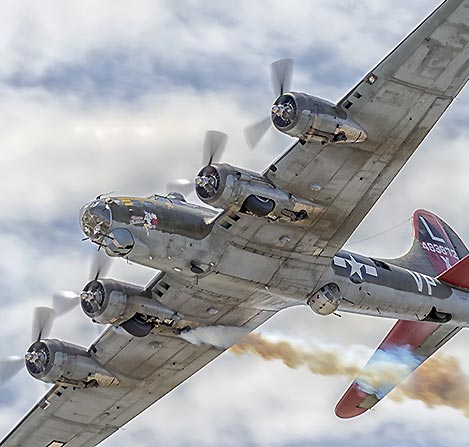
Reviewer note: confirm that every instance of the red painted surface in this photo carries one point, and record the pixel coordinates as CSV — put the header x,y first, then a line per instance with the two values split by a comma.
x,y
437,250
408,333
458,274
347,406
437,245
403,333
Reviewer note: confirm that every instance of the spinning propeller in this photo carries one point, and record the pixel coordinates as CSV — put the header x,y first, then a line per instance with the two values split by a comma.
x,y
9,367
213,148
100,265
65,300
281,76
43,320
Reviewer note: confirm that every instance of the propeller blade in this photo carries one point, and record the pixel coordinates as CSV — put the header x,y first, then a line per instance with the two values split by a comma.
x,y
64,301
42,322
255,132
182,185
100,265
9,367
281,75
214,145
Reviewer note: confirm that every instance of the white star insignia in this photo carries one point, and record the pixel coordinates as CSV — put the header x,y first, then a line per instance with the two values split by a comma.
x,y
356,267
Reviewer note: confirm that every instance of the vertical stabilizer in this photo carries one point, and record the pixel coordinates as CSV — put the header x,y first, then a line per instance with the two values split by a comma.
x,y
436,246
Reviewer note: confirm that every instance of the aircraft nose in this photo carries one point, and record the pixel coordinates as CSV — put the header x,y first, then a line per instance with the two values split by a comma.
x,y
96,219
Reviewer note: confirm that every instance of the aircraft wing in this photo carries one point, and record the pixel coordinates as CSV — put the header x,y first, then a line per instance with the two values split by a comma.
x,y
148,368
397,104
405,348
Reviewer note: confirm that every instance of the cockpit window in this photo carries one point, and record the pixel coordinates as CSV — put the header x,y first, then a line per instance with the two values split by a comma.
x,y
95,219
176,196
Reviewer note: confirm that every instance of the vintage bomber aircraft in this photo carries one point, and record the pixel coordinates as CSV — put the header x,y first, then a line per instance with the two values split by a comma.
x,y
275,243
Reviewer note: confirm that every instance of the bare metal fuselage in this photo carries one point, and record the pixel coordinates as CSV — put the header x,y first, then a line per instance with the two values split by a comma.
x,y
196,244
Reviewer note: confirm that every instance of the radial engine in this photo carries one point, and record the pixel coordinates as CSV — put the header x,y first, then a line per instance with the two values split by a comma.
x,y
231,188
108,301
55,361
309,118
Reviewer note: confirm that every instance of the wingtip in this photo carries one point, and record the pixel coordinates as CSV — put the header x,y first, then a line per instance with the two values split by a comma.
x,y
348,412
347,407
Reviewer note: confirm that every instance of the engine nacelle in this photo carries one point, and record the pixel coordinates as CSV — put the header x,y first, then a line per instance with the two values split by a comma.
x,y
309,118
231,188
113,302
326,300
55,361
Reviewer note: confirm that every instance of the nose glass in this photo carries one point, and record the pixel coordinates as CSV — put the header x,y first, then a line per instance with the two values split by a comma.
x,y
95,220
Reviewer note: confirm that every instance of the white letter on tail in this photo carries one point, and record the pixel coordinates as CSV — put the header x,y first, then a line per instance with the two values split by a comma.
x,y
417,279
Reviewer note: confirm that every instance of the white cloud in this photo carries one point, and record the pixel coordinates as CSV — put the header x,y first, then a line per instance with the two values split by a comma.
x,y
102,97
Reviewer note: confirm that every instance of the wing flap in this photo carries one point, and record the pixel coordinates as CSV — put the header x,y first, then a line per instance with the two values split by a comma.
x,y
405,348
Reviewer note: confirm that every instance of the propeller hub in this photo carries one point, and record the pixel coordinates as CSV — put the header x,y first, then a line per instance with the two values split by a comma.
x,y
37,358
33,357
88,296
284,111
282,115
207,182
92,297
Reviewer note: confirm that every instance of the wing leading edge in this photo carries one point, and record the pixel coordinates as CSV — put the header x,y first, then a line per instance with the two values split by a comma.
x,y
408,93
148,368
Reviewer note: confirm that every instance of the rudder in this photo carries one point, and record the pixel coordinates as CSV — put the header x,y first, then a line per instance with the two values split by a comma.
x,y
436,245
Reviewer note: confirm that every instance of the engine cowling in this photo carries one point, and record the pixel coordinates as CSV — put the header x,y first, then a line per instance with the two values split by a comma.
x,y
55,361
113,302
309,118
326,300
231,188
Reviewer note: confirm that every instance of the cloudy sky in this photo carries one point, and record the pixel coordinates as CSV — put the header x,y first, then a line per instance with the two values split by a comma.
x,y
116,96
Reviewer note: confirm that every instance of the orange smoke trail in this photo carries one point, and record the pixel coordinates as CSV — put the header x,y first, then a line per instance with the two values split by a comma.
x,y
323,362
440,381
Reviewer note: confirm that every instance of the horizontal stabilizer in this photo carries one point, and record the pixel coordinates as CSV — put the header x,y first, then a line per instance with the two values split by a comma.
x,y
457,275
405,348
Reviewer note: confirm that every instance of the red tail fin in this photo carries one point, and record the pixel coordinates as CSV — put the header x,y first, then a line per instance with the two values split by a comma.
x,y
436,246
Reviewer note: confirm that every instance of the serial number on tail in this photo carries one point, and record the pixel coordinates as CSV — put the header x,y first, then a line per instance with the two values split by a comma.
x,y
440,249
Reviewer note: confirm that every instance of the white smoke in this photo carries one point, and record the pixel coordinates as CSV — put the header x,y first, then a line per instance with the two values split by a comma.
x,y
218,336
386,369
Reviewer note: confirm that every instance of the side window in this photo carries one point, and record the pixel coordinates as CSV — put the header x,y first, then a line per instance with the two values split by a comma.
x,y
161,199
